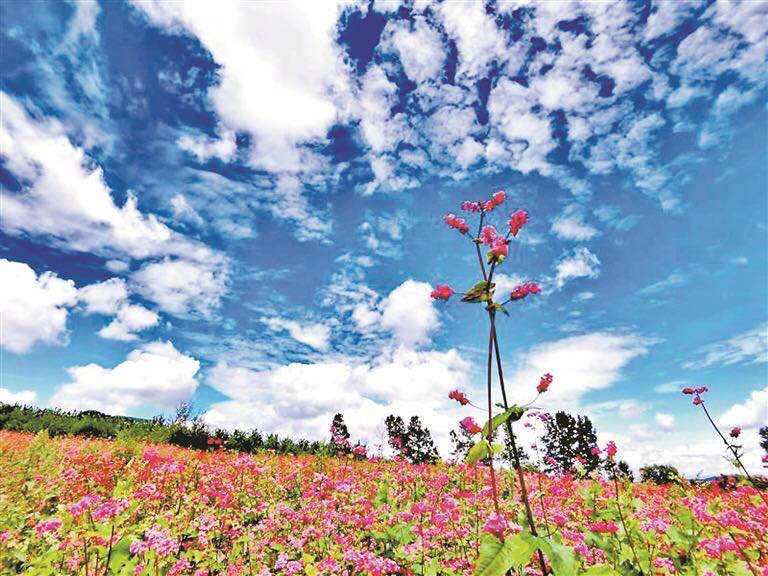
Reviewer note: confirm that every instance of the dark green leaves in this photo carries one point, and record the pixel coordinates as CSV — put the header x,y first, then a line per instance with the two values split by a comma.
x,y
480,292
479,451
497,557
514,413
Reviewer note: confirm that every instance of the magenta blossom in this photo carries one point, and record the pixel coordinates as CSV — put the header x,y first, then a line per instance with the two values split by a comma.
x,y
441,292
460,397
470,425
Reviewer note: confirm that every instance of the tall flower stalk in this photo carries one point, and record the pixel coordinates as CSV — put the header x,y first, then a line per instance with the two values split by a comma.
x,y
483,292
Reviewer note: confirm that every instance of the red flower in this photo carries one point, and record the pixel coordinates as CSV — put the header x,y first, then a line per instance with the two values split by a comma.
x,y
468,206
595,451
524,289
496,200
544,383
688,390
455,222
610,449
735,431
487,235
441,292
500,247
470,425
517,221
460,397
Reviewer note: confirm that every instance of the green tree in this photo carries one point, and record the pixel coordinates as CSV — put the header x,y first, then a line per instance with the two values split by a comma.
x,y
764,439
413,442
461,442
340,434
567,437
659,474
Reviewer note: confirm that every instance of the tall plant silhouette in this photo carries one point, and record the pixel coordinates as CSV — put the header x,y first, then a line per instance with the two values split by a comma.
x,y
496,246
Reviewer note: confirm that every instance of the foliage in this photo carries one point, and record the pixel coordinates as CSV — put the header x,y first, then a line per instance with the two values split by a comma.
x,y
75,506
413,442
568,440
660,474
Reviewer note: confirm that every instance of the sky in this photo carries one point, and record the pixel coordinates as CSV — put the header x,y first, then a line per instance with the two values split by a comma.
x,y
240,205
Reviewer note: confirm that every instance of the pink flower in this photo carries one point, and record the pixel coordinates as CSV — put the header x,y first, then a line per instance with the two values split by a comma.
x,y
497,199
48,526
523,290
697,400
688,390
496,525
470,425
488,234
604,527
595,451
610,449
455,222
735,431
517,221
500,247
544,383
468,206
460,397
359,450
441,292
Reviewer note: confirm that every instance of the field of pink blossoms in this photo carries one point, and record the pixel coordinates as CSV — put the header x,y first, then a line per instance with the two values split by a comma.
x,y
74,506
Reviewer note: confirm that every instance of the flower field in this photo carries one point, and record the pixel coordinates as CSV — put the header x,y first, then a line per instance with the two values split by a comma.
x,y
75,506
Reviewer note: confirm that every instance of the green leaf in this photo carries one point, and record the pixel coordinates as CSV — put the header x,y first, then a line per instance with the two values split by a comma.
x,y
600,570
561,558
477,452
496,557
478,292
514,413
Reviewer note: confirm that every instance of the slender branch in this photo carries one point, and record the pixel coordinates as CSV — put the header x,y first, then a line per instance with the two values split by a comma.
x,y
515,452
734,452
490,429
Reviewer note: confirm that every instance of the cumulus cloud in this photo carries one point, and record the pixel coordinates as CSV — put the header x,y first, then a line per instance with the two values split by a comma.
x,y
570,225
156,375
579,263
313,334
752,413
181,287
103,297
301,399
749,347
579,364
409,314
32,308
130,318
23,398
665,421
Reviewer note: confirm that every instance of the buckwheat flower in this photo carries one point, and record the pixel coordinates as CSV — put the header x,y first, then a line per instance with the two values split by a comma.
x,y
500,247
595,451
496,525
488,234
359,450
604,527
665,563
48,526
455,222
517,221
524,290
497,199
460,397
697,400
441,292
735,431
610,449
544,383
688,390
468,206
470,425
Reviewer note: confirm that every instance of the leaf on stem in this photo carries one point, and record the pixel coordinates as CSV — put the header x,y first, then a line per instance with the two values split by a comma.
x,y
480,292
478,452
497,557
514,413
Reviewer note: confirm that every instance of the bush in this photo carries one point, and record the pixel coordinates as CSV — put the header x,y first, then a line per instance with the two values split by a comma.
x,y
660,474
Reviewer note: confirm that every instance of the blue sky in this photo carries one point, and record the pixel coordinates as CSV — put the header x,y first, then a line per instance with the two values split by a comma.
x,y
242,204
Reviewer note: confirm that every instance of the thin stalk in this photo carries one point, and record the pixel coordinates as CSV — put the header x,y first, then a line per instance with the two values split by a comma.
x,y
743,555
624,525
515,452
733,451
490,430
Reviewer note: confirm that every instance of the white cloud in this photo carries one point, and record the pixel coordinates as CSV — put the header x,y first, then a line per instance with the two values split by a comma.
x,y
570,225
204,148
183,210
408,312
505,284
315,335
419,48
584,296
752,413
23,398
665,421
301,399
131,318
32,308
155,375
579,364
104,297
672,387
478,39
674,280
580,263
182,287
280,70
748,347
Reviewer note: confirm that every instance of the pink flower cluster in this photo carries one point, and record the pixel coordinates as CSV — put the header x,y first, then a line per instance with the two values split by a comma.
x,y
544,383
460,397
470,425
523,290
696,392
455,222
441,292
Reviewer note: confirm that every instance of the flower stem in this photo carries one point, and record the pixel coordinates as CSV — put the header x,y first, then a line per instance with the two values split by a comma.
x,y
624,525
515,452
490,430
